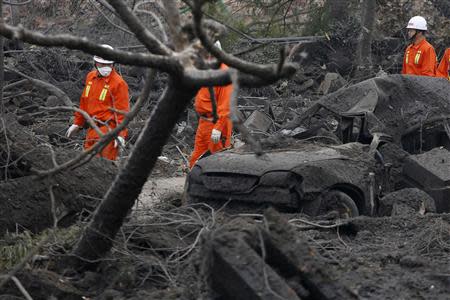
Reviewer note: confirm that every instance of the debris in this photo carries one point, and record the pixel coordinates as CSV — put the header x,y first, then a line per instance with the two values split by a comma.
x,y
406,201
305,85
430,172
258,121
271,262
331,83
239,272
164,159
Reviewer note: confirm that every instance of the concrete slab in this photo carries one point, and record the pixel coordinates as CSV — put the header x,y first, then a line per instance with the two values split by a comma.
x,y
258,121
431,172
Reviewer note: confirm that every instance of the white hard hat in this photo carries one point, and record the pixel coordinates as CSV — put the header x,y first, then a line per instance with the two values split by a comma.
x,y
102,60
418,23
218,45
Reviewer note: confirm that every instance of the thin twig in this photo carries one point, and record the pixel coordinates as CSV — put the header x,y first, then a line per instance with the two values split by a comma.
x,y
8,150
338,224
85,115
109,20
53,206
45,85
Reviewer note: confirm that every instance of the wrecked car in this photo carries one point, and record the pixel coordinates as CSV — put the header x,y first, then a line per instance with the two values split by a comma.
x,y
346,177
291,179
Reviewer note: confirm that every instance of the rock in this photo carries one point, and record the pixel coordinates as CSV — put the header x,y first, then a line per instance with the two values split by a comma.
x,y
258,121
305,85
332,82
406,201
410,261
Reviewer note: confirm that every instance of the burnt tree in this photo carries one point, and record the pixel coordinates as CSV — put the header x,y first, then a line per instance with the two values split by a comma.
x,y
184,81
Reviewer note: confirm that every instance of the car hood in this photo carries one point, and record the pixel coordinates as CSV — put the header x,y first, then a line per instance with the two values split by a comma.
x,y
250,164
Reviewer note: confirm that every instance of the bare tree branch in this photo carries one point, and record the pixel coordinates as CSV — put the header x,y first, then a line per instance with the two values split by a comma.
x,y
17,4
46,86
85,115
161,62
173,19
156,18
108,7
141,33
109,20
263,71
14,84
196,77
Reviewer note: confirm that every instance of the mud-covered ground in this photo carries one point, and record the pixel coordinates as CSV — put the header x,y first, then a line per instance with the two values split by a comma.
x,y
163,249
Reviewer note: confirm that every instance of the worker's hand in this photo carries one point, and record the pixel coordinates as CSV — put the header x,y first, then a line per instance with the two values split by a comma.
x,y
73,129
215,136
119,141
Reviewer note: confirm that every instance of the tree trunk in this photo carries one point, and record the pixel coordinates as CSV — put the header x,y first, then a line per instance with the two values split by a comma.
x,y
120,198
364,51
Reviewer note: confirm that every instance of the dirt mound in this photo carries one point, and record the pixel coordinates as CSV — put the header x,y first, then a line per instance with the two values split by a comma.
x,y
406,201
26,199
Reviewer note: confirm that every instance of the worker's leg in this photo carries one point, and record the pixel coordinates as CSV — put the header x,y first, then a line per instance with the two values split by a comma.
x,y
108,152
202,138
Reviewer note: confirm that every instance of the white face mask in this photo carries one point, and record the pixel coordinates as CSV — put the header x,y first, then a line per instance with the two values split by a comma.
x,y
104,71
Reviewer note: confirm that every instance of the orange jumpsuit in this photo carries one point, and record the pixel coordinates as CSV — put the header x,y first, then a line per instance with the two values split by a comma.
x,y
444,66
203,107
420,59
99,95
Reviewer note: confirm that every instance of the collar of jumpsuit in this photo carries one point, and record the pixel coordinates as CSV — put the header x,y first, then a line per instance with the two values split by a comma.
x,y
419,44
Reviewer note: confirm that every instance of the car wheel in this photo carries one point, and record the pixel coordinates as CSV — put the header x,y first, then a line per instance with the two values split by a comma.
x,y
338,204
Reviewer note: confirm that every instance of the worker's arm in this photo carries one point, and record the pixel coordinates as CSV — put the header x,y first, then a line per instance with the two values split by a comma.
x,y
429,63
442,70
121,103
223,98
